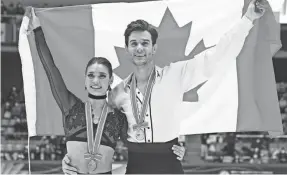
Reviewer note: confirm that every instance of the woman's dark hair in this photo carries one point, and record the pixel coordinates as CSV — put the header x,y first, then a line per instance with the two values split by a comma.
x,y
103,61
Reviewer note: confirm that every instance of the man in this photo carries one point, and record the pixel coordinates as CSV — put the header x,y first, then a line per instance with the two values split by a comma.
x,y
149,96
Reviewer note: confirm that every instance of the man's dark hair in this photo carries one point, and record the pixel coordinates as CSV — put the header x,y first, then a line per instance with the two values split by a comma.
x,y
140,25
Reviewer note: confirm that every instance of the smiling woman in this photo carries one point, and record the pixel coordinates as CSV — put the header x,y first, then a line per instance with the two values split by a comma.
x,y
85,121
99,76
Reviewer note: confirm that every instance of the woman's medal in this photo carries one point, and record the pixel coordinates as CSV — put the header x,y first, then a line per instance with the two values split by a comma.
x,y
93,144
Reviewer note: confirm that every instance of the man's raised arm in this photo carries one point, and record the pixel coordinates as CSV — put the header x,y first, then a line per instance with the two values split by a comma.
x,y
202,67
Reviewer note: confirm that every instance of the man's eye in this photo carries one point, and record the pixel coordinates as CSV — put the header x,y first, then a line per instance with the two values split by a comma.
x,y
102,76
145,43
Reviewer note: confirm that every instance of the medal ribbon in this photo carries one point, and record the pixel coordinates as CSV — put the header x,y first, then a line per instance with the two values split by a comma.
x,y
94,144
140,117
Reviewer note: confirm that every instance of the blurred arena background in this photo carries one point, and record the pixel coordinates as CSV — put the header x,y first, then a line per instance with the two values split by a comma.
x,y
232,153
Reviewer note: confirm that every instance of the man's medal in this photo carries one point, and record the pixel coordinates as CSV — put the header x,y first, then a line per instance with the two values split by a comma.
x,y
139,117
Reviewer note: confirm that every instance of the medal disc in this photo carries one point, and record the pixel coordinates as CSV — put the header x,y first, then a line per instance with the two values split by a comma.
x,y
140,134
92,165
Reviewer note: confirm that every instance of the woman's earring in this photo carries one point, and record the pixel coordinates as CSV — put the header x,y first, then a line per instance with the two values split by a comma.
x,y
109,88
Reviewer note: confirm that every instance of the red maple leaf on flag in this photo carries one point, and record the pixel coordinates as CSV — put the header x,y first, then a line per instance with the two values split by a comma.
x,y
171,42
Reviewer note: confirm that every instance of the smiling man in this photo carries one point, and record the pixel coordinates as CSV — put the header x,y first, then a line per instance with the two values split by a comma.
x,y
150,94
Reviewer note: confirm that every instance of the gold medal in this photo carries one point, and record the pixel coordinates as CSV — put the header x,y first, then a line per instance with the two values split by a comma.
x,y
140,116
93,155
92,165
140,134
93,161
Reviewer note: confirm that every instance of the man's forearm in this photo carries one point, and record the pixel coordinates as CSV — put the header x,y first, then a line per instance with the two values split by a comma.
x,y
230,45
232,42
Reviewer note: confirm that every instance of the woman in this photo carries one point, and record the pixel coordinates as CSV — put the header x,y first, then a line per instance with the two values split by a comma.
x,y
85,121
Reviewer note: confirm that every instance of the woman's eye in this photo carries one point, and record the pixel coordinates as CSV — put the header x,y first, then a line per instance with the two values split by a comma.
x,y
134,44
91,75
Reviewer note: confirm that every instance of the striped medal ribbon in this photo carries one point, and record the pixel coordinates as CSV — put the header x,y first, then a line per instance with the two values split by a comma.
x,y
93,144
140,117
